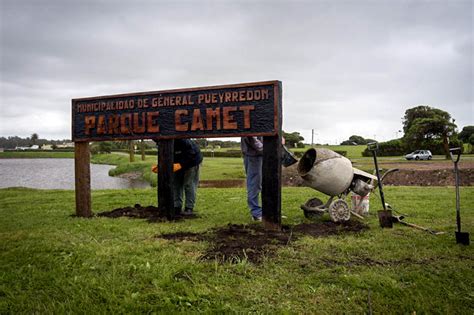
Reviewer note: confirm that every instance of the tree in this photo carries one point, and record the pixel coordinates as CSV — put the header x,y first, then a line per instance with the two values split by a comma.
x,y
423,124
142,149
466,133
355,140
34,138
292,139
105,147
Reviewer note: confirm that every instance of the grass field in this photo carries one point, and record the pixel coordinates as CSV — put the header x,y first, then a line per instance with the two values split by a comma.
x,y
211,168
36,155
51,262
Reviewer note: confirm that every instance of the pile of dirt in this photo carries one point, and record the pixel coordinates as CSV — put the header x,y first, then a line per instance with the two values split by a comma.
x,y
235,243
290,177
151,213
225,183
416,173
440,177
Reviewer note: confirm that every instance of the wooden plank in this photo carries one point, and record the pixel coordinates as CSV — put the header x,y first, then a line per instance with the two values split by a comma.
x,y
165,178
83,179
271,183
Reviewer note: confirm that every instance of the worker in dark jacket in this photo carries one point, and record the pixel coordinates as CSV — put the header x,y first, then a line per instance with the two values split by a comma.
x,y
252,149
186,179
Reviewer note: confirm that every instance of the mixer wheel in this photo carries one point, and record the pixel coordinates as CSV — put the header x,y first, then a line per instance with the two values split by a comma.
x,y
311,203
339,211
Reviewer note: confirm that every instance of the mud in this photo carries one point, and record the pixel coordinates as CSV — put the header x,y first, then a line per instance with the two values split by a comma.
x,y
226,183
151,213
253,243
413,173
416,173
441,177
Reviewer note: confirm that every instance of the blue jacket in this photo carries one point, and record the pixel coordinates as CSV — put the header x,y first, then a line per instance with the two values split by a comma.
x,y
187,153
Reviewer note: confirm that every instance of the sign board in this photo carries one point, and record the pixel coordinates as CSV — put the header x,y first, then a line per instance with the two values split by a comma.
x,y
217,111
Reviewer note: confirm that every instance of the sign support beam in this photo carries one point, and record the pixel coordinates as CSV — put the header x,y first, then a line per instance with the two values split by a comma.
x,y
83,179
271,183
165,178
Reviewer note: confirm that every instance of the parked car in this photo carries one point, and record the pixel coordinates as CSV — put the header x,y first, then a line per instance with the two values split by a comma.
x,y
419,155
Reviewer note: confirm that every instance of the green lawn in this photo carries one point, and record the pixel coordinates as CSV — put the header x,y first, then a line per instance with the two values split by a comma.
x,y
51,262
36,155
353,151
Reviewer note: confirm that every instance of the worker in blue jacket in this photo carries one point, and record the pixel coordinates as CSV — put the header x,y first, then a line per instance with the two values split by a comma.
x,y
187,158
186,180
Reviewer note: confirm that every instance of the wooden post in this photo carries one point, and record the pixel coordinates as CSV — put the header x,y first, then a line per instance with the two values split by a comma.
x,y
83,179
142,149
131,150
271,183
165,178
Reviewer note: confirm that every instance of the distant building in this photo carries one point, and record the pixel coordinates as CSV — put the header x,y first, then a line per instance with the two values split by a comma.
x,y
65,145
33,147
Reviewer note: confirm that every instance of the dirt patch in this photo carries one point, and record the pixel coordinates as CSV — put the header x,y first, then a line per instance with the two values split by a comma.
x,y
290,177
235,243
322,229
441,177
151,213
427,165
417,173
226,183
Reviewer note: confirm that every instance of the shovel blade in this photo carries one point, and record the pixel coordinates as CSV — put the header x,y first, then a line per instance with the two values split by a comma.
x,y
385,218
462,238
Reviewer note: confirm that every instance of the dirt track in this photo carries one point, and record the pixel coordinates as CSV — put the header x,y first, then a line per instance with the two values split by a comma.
x,y
416,173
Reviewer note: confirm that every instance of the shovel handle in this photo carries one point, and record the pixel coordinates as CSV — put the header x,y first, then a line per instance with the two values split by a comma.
x,y
420,227
373,146
454,151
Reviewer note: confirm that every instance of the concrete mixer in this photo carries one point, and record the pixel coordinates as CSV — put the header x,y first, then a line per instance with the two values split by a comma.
x,y
332,174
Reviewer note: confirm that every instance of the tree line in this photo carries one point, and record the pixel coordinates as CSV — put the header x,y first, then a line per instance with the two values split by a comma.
x,y
424,127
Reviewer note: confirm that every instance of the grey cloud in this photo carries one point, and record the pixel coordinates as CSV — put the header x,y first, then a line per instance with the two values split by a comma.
x,y
350,66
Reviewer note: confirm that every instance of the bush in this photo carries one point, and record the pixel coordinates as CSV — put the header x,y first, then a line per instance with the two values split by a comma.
x,y
398,147
389,148
437,147
229,153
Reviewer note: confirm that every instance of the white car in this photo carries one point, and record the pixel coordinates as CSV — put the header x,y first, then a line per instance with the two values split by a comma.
x,y
419,155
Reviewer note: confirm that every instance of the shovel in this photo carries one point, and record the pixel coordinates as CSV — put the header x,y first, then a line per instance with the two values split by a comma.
x,y
461,237
385,216
399,219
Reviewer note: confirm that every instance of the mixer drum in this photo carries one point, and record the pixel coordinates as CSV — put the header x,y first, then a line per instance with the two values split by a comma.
x,y
326,171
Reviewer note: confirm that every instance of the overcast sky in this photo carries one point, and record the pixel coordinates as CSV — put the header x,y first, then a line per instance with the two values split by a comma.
x,y
347,67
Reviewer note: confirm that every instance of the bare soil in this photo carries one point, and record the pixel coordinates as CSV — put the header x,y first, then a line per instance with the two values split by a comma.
x,y
429,173
253,243
226,183
416,173
151,213
441,177
234,243
413,173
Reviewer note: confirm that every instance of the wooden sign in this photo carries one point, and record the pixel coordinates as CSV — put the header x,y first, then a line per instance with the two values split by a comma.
x,y
217,111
